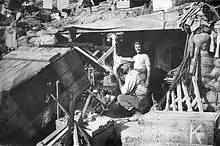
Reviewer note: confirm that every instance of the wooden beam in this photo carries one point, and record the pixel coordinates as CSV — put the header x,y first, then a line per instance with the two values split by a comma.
x,y
179,97
58,136
30,56
186,97
196,92
173,100
84,45
86,54
96,52
103,57
51,136
94,59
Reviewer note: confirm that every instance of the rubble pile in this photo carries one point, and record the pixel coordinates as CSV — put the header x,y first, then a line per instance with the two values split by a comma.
x,y
102,12
33,20
37,38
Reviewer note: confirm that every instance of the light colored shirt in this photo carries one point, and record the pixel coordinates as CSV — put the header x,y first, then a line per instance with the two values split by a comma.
x,y
141,61
133,84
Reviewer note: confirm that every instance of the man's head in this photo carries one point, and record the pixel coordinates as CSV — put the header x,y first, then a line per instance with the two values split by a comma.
x,y
137,47
126,65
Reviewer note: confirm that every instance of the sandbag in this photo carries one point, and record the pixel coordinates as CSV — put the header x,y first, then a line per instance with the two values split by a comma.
x,y
206,79
215,73
202,40
216,85
217,63
33,39
31,34
211,102
47,39
210,83
218,79
40,33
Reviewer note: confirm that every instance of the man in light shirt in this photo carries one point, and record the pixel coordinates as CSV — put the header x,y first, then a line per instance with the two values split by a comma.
x,y
142,63
134,94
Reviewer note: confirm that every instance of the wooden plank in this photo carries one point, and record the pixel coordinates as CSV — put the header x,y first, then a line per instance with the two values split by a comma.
x,y
4,62
78,87
33,48
93,58
186,97
73,61
75,64
8,127
67,79
13,70
29,55
152,128
167,101
58,136
103,57
62,51
61,66
173,100
10,67
179,96
171,144
8,107
9,64
185,115
15,123
86,54
51,136
196,92
96,52
26,72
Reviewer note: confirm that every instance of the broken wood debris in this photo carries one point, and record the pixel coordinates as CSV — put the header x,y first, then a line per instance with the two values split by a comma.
x,y
190,74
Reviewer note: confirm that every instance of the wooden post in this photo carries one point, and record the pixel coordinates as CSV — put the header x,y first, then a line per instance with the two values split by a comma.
x,y
85,107
196,92
187,98
116,58
167,101
212,45
62,108
217,48
179,96
75,136
173,100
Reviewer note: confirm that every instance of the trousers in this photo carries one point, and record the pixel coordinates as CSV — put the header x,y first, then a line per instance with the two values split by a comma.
x,y
140,103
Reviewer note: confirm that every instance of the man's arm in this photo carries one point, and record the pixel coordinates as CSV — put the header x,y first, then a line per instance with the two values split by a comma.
x,y
148,77
147,62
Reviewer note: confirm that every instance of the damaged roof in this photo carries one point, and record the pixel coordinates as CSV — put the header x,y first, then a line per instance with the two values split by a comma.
x,y
20,66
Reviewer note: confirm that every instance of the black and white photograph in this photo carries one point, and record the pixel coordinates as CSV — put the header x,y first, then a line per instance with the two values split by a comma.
x,y
109,72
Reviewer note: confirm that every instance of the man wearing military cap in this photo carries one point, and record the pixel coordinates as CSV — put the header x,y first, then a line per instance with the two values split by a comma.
x,y
134,94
